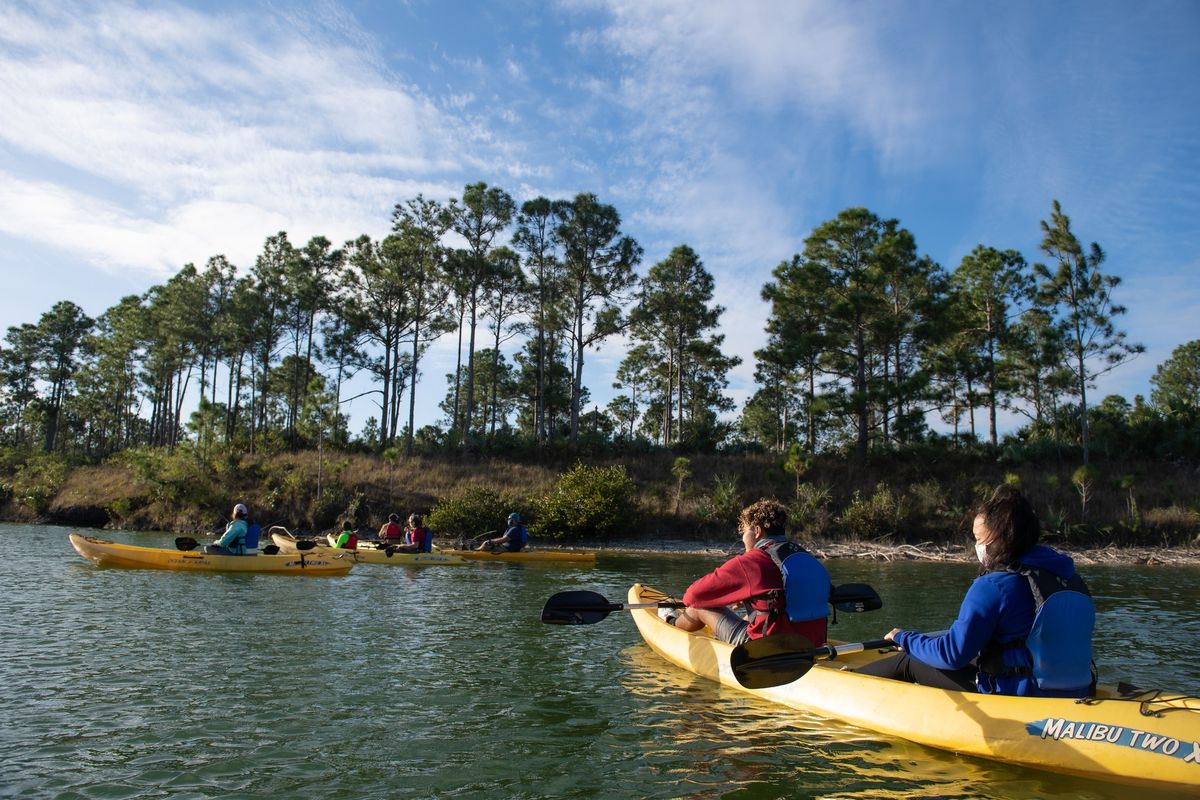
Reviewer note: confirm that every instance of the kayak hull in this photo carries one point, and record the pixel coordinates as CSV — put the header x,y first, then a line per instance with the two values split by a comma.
x,y
525,555
369,554
1149,740
114,554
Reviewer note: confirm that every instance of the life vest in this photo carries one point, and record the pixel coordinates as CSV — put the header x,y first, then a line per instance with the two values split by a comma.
x,y
518,537
1060,640
392,531
348,541
253,534
426,540
806,584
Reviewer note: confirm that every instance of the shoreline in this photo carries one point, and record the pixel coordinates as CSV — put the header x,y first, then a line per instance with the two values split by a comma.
x,y
874,551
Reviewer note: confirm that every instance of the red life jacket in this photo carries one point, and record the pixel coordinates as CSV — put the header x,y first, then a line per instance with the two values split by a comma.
x,y
421,538
393,531
352,542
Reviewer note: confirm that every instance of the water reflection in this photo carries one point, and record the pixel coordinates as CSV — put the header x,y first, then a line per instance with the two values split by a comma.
x,y
408,682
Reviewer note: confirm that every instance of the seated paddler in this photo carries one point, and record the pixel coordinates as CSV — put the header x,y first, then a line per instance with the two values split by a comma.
x,y
776,585
348,538
1025,625
514,539
233,540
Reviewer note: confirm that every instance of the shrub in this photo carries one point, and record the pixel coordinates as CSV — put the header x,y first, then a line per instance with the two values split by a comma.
x,y
1173,523
723,504
470,513
587,502
880,516
34,483
810,513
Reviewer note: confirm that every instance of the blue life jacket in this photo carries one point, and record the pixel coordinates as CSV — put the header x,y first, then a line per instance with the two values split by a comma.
x,y
806,584
1060,640
426,545
518,537
253,534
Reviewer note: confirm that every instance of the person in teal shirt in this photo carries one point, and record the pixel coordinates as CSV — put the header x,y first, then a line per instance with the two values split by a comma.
x,y
233,541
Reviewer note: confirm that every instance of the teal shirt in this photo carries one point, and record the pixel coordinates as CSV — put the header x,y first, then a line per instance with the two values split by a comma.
x,y
235,533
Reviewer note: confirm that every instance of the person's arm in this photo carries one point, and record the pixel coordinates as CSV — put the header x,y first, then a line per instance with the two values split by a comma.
x,y
233,531
727,584
955,649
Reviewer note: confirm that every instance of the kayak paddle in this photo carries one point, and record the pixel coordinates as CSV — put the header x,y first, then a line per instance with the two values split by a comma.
x,y
187,543
581,607
776,660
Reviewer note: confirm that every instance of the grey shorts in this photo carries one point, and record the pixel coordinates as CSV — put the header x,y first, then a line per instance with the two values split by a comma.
x,y
732,628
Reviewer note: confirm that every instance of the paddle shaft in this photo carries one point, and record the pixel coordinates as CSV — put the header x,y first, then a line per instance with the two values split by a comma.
x,y
621,606
829,653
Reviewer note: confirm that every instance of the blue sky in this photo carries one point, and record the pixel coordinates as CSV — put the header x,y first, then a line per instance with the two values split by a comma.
x,y
135,138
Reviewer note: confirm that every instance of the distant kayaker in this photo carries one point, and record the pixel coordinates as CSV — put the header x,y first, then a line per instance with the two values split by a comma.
x,y
347,539
391,532
1006,640
772,604
513,540
417,538
233,541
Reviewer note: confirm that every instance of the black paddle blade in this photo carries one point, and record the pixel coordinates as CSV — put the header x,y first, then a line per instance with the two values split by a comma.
x,y
576,607
855,597
772,660
186,543
271,550
305,544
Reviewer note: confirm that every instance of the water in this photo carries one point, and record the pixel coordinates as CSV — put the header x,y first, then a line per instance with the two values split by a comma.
x,y
397,682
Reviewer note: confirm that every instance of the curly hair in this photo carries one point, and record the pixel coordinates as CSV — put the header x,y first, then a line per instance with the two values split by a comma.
x,y
770,515
1014,526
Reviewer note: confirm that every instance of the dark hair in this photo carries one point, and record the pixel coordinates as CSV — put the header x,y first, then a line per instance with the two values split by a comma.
x,y
1012,523
770,515
347,525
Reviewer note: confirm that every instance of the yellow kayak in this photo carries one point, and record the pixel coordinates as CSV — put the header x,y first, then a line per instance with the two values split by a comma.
x,y
1151,738
113,554
524,555
368,553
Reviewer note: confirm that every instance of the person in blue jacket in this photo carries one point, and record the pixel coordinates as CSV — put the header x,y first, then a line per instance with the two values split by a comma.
x,y
1012,635
513,540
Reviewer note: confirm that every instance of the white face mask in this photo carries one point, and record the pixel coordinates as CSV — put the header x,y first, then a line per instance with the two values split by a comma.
x,y
981,552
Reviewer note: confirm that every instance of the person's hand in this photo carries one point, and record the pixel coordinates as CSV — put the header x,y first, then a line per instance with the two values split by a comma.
x,y
891,635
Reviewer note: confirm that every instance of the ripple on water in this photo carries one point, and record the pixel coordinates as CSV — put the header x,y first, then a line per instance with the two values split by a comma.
x,y
401,682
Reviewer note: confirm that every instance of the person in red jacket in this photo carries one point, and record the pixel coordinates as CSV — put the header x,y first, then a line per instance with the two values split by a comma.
x,y
756,580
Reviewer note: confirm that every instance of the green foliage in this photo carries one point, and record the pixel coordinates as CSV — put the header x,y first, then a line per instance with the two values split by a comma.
x,y
1176,382
810,513
587,502
34,482
723,504
470,512
878,517
1084,480
682,470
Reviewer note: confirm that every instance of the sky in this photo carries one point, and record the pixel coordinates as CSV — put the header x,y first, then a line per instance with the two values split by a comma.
x,y
138,137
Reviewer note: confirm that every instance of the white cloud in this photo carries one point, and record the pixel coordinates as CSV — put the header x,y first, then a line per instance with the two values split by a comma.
x,y
180,134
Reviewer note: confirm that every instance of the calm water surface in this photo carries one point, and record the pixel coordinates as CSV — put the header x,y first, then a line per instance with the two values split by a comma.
x,y
400,682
